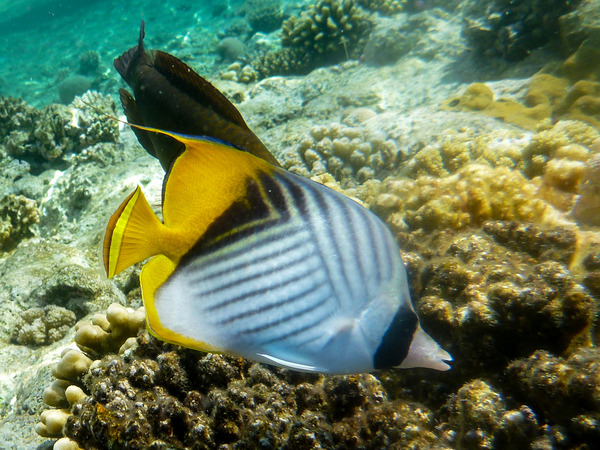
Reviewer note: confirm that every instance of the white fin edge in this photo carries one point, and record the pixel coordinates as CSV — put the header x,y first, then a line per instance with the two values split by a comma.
x,y
287,364
425,352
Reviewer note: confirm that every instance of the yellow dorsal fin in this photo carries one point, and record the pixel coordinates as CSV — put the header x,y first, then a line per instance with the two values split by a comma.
x,y
205,180
132,234
201,184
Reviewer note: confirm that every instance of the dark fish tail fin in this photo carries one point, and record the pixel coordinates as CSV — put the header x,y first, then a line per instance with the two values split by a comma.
x,y
124,62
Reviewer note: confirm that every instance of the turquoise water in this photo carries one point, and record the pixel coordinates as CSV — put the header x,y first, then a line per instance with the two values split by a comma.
x,y
470,128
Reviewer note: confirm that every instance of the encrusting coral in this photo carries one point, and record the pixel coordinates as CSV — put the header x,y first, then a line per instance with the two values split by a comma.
x,y
566,91
157,394
464,180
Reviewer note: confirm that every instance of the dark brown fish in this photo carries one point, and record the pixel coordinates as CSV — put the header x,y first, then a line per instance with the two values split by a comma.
x,y
169,95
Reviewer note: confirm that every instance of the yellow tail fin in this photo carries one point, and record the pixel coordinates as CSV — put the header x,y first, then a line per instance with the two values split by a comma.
x,y
132,234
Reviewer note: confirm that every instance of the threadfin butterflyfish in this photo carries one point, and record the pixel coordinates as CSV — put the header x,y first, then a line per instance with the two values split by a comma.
x,y
168,94
255,261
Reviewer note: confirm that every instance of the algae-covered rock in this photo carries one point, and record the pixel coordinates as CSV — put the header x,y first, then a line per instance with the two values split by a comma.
x,y
565,388
49,136
483,296
512,29
18,217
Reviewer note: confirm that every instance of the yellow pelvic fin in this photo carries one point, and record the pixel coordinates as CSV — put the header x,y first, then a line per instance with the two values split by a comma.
x,y
132,234
154,274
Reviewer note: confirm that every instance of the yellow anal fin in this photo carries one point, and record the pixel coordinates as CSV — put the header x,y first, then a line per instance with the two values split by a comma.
x,y
154,274
132,234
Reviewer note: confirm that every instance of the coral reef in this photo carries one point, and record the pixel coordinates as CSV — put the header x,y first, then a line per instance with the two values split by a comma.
x,y
566,389
156,394
89,63
111,332
521,299
352,152
230,49
327,32
18,216
512,29
478,418
56,131
14,114
385,7
264,15
42,326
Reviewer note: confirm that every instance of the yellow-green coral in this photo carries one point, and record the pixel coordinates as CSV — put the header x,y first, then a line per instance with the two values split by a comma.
x,y
570,90
464,180
469,197
479,97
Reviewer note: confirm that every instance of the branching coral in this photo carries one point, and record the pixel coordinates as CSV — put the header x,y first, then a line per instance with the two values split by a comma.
x,y
325,33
